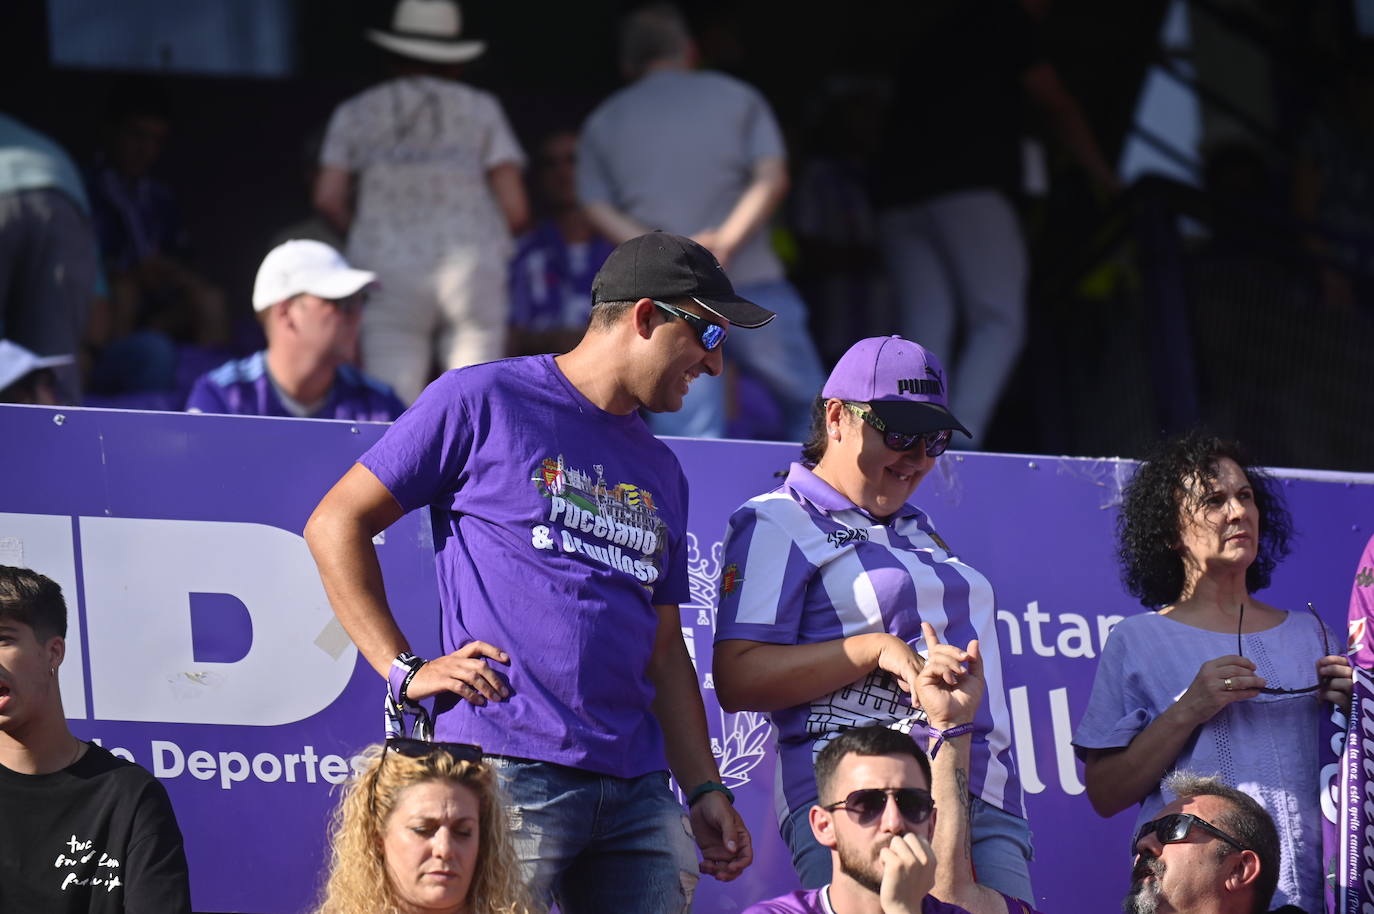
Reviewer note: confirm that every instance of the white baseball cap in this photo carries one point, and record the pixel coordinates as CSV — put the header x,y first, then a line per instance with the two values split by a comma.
x,y
300,266
16,362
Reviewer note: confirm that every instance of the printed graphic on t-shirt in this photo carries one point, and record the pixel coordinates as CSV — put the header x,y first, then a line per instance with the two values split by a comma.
x,y
875,699
80,863
616,525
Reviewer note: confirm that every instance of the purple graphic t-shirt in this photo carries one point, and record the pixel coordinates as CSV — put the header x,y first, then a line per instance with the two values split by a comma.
x,y
558,527
817,901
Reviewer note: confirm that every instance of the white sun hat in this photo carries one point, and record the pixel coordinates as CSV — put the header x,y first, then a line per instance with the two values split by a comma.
x,y
427,30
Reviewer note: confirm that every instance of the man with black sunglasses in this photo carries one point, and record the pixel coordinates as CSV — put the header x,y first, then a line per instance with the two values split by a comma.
x,y
560,527
878,796
1213,850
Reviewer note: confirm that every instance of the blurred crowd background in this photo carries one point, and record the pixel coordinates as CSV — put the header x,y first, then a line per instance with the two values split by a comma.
x,y
1216,266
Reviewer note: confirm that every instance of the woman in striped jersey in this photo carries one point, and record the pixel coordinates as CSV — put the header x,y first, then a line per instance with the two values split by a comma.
x,y
825,583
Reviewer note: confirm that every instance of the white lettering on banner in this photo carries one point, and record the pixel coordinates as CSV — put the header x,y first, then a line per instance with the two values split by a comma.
x,y
45,546
232,767
1074,639
1062,740
138,574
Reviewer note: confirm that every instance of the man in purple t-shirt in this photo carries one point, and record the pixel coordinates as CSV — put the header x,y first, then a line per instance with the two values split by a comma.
x,y
878,795
310,303
559,525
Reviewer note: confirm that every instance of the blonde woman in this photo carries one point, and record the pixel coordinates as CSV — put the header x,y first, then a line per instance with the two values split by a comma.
x,y
421,828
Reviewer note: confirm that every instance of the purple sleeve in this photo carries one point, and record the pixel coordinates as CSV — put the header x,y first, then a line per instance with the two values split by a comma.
x,y
425,452
673,587
205,397
1361,617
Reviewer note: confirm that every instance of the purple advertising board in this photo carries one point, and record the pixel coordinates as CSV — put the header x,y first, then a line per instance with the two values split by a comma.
x,y
201,643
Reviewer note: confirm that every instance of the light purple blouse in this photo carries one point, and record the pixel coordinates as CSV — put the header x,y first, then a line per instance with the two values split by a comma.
x,y
1266,746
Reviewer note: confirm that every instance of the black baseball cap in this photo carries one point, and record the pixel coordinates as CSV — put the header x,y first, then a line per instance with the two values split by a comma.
x,y
665,266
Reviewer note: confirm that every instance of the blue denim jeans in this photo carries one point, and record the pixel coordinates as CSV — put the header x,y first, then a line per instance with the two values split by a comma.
x,y
1001,850
593,843
780,354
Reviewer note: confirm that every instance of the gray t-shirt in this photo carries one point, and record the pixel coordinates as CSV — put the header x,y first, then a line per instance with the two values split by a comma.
x,y
675,151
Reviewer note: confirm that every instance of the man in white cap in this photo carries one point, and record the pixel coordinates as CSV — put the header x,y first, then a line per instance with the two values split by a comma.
x,y
310,302
422,172
28,378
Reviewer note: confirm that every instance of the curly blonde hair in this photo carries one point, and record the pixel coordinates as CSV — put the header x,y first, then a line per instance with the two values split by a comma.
x,y
358,881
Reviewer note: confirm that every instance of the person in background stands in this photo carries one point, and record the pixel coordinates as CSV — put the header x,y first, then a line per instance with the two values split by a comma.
x,y
700,154
422,172
310,302
551,275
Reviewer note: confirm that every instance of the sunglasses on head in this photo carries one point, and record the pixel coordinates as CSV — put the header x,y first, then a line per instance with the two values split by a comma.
x,y
711,335
935,442
1173,828
867,805
1267,690
420,748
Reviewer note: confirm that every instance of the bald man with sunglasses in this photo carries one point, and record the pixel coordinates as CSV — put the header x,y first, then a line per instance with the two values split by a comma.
x,y
1213,850
878,798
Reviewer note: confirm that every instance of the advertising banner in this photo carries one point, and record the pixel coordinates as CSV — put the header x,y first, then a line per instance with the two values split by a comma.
x,y
201,644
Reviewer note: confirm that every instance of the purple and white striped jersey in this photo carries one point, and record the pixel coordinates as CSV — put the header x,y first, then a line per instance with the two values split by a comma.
x,y
244,388
802,564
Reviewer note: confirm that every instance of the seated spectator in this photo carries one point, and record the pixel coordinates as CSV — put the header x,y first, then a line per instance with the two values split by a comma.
x,y
142,239
27,378
82,830
1213,850
878,797
49,266
422,828
310,303
551,275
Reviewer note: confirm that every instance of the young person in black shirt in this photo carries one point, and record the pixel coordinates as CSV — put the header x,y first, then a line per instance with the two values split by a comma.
x,y
80,830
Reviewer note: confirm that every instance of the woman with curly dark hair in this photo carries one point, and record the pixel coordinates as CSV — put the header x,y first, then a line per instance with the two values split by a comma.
x,y
1214,680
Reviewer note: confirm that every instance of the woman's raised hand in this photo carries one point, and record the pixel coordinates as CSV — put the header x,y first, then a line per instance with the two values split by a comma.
x,y
1217,684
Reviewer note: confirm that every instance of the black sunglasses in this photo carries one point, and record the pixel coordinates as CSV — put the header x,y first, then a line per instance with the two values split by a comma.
x,y
1326,652
1173,828
711,335
935,442
867,805
420,748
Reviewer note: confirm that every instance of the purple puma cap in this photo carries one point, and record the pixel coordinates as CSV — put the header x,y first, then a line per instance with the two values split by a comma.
x,y
902,381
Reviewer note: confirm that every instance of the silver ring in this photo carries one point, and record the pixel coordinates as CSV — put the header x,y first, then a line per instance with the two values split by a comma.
x,y
1227,684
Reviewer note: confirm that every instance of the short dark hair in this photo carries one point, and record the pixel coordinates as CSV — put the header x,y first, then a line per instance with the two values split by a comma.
x,y
813,449
869,741
605,314
34,600
1148,527
1245,820
653,32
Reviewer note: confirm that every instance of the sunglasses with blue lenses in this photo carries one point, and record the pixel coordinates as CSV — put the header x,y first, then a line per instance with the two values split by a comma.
x,y
936,442
711,335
